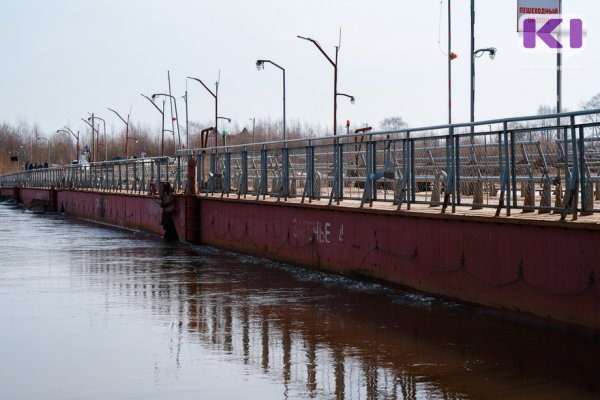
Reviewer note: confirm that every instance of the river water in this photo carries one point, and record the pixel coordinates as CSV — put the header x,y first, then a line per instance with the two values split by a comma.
x,y
93,312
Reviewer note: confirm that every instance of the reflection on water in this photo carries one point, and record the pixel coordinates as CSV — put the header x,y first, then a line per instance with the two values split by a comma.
x,y
92,312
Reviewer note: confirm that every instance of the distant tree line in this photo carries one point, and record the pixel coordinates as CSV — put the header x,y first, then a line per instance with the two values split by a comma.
x,y
23,143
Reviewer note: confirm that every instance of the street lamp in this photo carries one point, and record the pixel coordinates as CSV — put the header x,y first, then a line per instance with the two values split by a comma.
x,y
335,75
215,95
133,138
93,130
76,137
260,65
477,54
92,117
154,96
126,122
162,113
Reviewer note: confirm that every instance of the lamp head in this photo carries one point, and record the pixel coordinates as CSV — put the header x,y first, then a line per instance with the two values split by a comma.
x,y
154,96
260,64
493,53
352,99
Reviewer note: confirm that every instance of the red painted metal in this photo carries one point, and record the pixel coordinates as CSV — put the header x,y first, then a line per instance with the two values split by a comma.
x,y
542,269
123,210
27,195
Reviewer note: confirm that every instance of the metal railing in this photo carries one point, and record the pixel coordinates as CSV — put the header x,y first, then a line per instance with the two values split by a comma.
x,y
129,176
547,163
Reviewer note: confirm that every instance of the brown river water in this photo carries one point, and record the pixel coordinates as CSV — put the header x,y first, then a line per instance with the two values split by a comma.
x,y
93,312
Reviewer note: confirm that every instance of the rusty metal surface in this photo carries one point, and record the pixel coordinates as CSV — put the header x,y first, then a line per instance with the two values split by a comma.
x,y
124,210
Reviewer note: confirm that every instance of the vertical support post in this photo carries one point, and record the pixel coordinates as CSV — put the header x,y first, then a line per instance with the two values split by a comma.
x,y
507,171
126,175
227,183
244,182
457,158
134,188
213,172
513,170
199,177
285,171
263,171
120,177
412,188
178,175
570,200
158,176
143,185
373,161
449,63
309,187
582,177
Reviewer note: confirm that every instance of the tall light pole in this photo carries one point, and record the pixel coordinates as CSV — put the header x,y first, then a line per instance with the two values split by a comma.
x,y
77,138
162,130
559,70
215,95
154,96
126,122
260,64
335,78
105,144
476,54
187,119
94,130
451,56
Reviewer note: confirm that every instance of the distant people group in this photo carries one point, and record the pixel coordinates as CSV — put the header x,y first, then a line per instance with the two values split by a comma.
x,y
29,165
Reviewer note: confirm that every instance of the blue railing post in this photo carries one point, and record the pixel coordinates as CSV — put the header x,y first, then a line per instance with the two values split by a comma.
x,y
263,171
213,172
244,179
285,172
227,182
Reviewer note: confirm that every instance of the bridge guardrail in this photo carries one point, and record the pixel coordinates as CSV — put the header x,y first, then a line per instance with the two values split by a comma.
x,y
542,163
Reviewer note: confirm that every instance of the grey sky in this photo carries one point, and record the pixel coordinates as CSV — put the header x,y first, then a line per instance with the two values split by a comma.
x,y
63,58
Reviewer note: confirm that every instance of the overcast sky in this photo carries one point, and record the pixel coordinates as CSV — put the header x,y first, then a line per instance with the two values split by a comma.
x,y
64,58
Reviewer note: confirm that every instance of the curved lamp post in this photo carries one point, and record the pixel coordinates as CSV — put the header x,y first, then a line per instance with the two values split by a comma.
x,y
154,96
97,133
335,75
76,137
92,117
162,113
126,122
260,65
491,51
215,95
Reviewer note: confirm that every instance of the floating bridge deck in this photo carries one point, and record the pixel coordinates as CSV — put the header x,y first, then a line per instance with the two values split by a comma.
x,y
503,213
